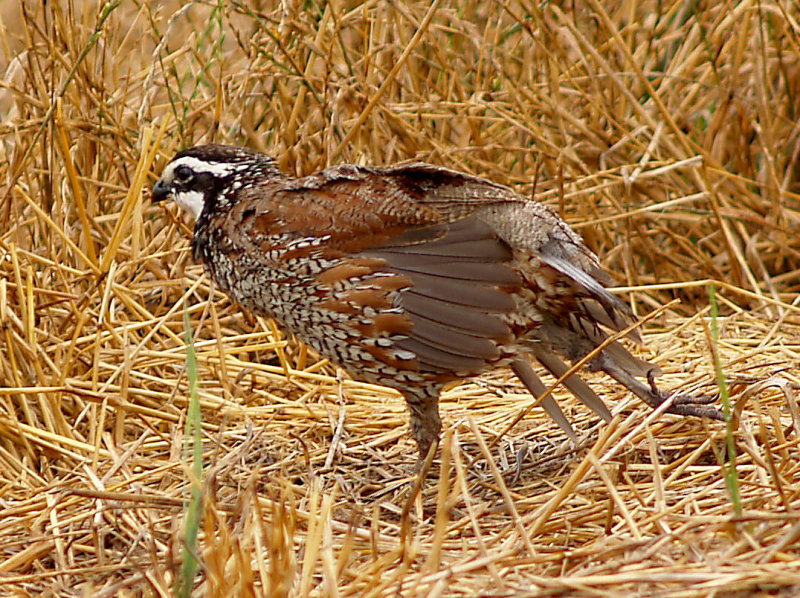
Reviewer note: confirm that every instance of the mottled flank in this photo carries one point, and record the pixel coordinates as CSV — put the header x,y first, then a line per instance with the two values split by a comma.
x,y
411,276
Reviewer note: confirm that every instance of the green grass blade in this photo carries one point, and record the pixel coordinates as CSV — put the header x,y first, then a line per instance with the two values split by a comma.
x,y
731,474
193,454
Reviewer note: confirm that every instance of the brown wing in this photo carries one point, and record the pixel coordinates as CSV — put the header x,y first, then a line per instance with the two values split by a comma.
x,y
460,284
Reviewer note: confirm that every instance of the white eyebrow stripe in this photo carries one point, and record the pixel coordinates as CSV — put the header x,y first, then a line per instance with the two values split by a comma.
x,y
218,169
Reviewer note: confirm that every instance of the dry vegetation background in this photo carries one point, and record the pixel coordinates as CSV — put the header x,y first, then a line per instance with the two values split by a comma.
x,y
665,131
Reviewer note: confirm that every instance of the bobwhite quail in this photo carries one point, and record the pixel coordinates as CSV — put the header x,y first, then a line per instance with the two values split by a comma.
x,y
410,276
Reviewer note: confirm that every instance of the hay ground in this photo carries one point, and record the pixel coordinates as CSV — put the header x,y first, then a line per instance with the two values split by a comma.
x,y
666,132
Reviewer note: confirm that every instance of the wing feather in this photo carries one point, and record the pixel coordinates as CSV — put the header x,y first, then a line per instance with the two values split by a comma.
x,y
460,287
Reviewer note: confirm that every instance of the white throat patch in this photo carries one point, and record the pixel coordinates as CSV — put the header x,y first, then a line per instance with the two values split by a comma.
x,y
190,201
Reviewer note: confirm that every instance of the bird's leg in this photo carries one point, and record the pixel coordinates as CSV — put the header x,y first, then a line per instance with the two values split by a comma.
x,y
425,422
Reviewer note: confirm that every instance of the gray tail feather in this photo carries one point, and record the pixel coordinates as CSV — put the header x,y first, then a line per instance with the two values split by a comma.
x,y
531,381
576,385
615,360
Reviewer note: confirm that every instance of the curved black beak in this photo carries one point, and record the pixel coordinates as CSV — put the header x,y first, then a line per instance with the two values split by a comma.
x,y
161,191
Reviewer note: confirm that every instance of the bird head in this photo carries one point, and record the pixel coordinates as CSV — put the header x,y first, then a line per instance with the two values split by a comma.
x,y
209,177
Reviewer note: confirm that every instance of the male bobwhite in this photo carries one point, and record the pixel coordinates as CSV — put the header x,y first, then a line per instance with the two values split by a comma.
x,y
411,276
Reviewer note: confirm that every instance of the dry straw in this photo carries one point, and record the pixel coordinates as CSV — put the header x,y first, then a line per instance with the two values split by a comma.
x,y
666,132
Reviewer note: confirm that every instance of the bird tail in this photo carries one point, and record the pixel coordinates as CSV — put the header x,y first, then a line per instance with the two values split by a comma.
x,y
614,360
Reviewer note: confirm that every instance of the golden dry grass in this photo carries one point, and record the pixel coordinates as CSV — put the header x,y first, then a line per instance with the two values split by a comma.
x,y
666,132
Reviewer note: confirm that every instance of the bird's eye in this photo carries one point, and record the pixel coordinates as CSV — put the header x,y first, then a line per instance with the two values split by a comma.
x,y
183,174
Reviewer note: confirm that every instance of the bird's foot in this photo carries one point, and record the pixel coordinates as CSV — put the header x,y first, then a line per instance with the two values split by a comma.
x,y
684,404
